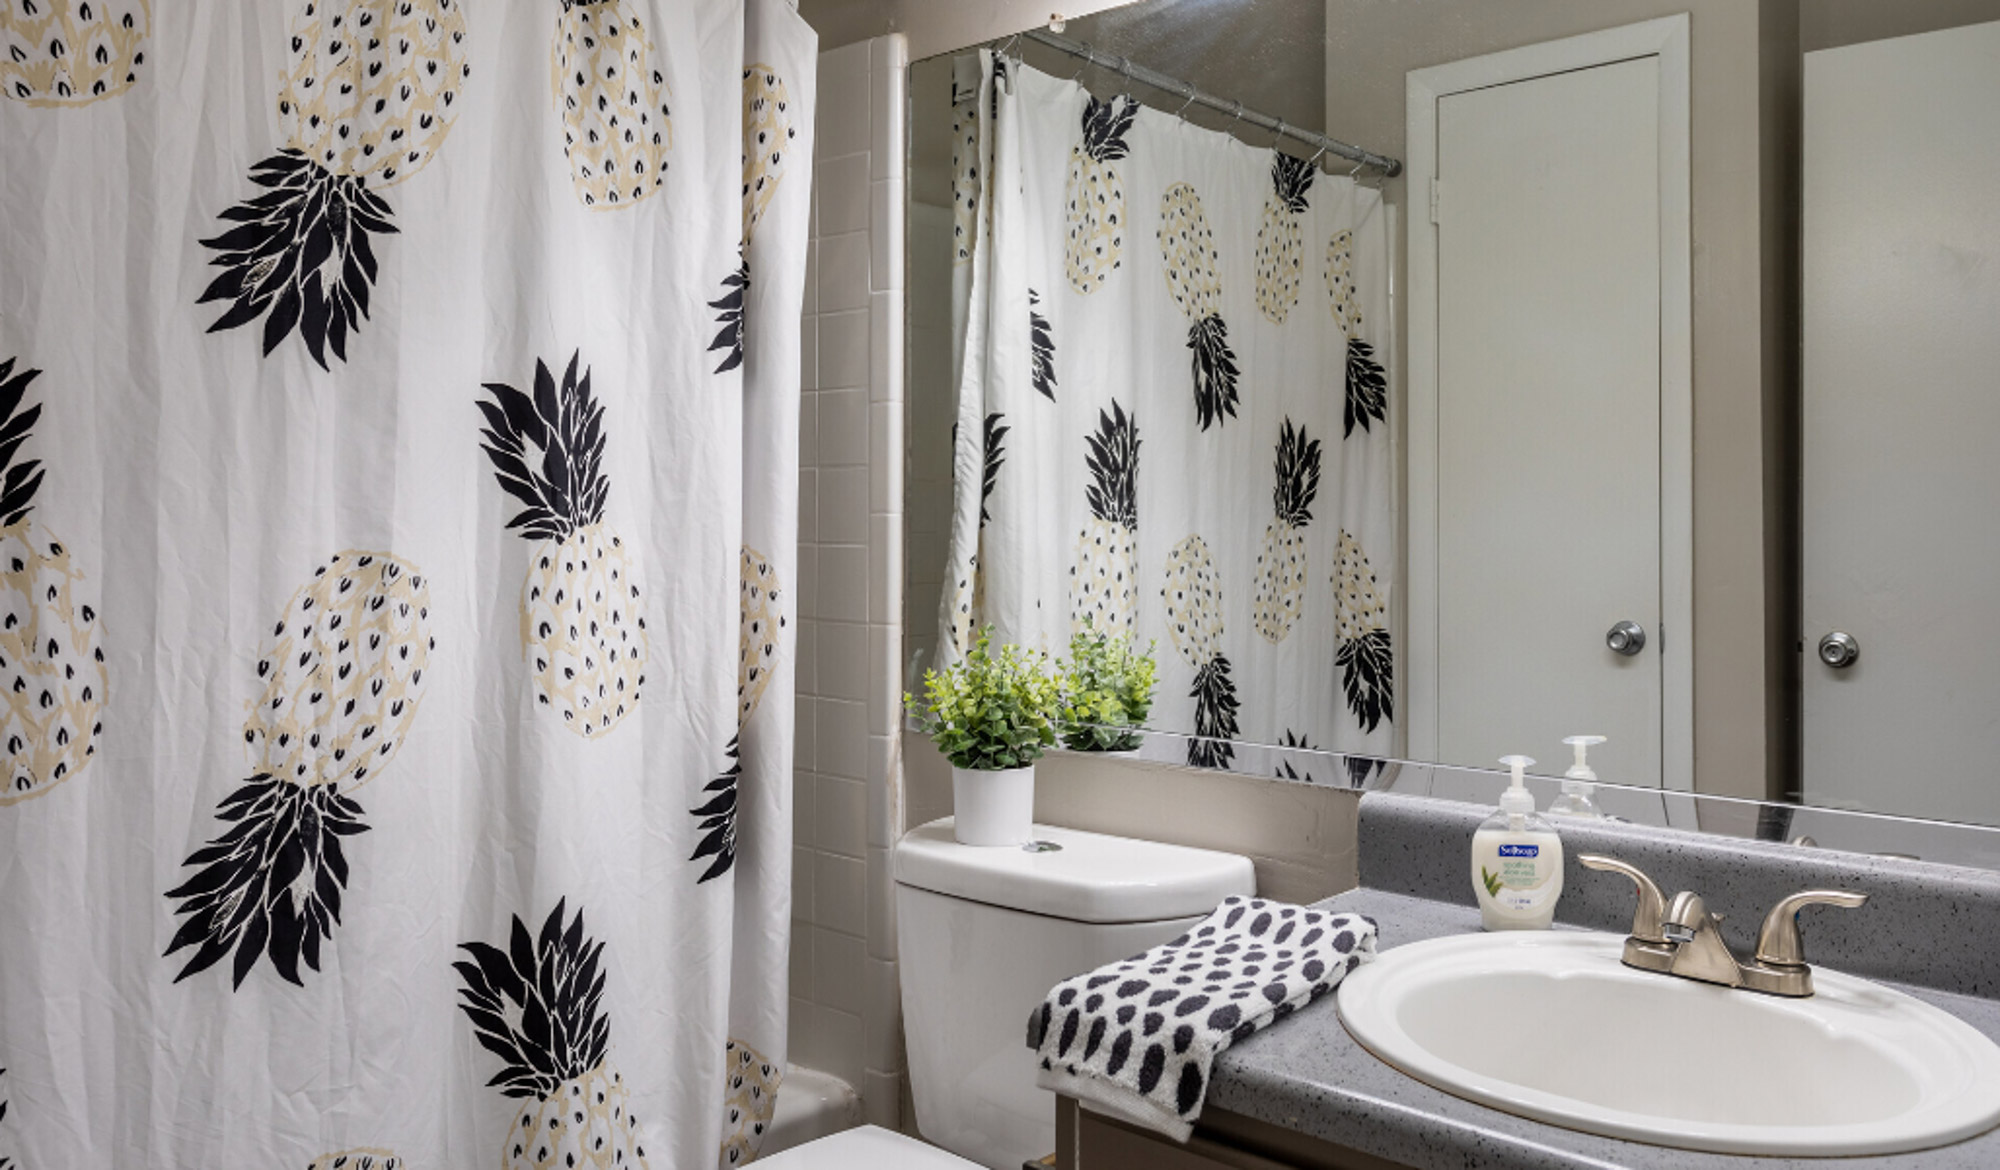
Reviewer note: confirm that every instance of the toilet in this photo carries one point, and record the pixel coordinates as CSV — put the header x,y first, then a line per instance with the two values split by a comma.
x,y
983,933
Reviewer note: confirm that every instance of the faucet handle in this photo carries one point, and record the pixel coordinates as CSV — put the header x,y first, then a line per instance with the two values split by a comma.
x,y
1652,908
1778,940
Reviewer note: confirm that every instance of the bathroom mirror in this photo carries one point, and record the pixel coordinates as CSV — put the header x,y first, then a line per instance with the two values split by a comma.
x,y
1645,395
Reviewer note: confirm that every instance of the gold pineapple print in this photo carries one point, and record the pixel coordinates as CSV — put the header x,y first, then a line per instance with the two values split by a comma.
x,y
538,1005
369,90
51,652
616,128
1187,250
581,619
1095,194
1342,296
1280,249
751,1093
1365,656
763,623
1193,598
1281,566
71,52
341,675
767,141
1102,582
1367,382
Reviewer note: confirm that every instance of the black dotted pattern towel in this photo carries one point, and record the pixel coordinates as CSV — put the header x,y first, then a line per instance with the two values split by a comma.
x,y
1137,1038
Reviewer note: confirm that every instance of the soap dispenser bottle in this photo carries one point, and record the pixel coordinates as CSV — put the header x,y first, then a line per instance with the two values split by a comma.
x,y
1579,783
1517,860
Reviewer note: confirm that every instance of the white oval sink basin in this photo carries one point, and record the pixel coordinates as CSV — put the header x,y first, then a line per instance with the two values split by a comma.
x,y
1553,1027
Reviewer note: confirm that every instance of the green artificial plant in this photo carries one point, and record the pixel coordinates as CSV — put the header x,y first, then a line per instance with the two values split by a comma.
x,y
989,712
1107,692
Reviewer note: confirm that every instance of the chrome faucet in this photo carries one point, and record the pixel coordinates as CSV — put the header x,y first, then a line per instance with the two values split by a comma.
x,y
1684,938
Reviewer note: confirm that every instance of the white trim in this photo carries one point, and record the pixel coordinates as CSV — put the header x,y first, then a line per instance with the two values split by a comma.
x,y
1666,39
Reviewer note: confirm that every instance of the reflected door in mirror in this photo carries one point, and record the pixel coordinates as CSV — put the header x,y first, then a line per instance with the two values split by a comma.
x,y
1548,538
1901,532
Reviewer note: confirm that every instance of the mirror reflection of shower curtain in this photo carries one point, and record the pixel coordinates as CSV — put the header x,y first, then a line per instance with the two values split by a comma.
x,y
1172,414
400,500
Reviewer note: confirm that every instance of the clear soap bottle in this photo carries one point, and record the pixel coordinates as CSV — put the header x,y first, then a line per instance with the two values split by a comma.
x,y
1517,860
1579,783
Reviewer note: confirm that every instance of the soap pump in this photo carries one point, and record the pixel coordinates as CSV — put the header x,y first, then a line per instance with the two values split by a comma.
x,y
1517,860
1579,783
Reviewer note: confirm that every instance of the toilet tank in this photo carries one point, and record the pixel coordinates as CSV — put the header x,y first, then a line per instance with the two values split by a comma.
x,y
983,933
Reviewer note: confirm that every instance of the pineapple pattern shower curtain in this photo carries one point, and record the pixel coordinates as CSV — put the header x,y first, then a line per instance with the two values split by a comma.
x,y
1173,417
388,502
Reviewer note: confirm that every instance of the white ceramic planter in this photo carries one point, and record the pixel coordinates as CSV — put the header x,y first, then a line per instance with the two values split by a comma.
x,y
993,808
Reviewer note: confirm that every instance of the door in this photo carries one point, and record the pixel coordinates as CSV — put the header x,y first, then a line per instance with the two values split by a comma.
x,y
1901,415
1548,399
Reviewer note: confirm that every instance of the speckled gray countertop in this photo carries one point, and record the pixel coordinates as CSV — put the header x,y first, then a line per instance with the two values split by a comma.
x,y
1309,1076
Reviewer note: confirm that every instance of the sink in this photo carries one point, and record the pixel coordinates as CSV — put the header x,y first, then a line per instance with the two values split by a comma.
x,y
1551,1026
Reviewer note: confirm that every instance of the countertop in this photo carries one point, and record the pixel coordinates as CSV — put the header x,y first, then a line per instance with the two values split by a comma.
x,y
1309,1076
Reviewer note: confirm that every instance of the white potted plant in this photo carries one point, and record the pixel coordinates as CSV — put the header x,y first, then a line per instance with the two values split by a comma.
x,y
992,716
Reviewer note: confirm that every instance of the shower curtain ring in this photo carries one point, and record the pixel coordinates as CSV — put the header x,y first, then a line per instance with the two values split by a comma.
x,y
1191,94
1009,47
1317,155
1236,114
1279,136
1088,61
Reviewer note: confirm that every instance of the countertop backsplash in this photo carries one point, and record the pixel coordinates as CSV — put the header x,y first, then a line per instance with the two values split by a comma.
x,y
1925,924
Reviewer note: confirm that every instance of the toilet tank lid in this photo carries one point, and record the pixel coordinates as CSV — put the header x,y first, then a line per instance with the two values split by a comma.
x,y
1091,878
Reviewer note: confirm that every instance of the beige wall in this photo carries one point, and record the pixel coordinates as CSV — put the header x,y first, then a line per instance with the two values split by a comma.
x,y
1743,352
1829,24
935,26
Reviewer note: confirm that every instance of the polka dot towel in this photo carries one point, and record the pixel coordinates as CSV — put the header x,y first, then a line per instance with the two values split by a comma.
x,y
1136,1038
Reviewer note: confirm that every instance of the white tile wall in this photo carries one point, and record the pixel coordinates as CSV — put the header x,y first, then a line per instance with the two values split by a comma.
x,y
846,1009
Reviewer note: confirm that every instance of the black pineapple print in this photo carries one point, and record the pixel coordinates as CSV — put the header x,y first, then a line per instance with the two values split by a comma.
x,y
1367,382
1094,193
1187,250
538,1005
367,94
1041,349
1193,599
716,819
1102,581
583,624
1366,657
341,676
767,140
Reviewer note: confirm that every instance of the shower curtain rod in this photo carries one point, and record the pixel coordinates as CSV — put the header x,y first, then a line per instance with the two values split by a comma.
x,y
1124,66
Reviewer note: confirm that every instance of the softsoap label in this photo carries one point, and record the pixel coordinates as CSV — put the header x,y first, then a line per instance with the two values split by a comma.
x,y
1518,876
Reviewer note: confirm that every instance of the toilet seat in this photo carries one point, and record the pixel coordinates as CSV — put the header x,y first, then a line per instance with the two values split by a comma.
x,y
866,1147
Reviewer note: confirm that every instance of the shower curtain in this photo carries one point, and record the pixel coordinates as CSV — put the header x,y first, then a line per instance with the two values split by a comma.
x,y
1173,412
398,414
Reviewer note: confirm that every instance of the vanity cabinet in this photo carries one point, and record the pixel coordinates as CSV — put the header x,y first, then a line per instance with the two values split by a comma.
x,y
1223,1141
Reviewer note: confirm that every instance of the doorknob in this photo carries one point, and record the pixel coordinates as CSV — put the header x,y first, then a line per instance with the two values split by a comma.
x,y
1839,650
1627,638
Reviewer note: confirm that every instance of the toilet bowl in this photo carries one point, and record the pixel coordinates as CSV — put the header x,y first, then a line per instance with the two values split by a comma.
x,y
982,934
